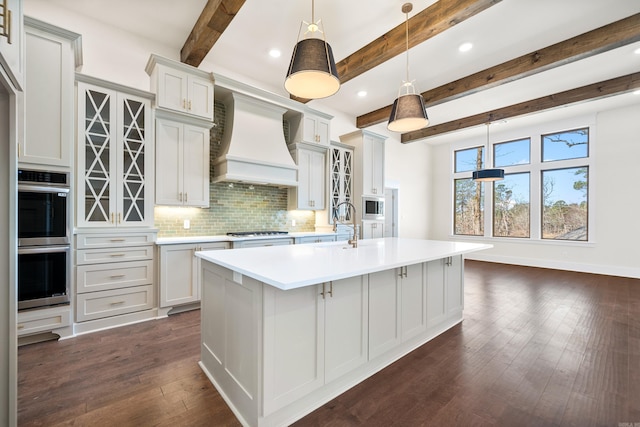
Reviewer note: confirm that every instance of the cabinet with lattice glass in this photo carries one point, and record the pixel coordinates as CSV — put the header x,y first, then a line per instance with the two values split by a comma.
x,y
115,155
341,180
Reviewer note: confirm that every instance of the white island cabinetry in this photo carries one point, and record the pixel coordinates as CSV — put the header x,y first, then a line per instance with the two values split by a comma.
x,y
288,328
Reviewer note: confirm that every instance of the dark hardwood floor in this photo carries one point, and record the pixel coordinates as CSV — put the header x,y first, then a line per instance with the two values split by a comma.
x,y
536,348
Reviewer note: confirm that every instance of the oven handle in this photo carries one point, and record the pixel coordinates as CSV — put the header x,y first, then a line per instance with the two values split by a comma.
x,y
42,189
43,249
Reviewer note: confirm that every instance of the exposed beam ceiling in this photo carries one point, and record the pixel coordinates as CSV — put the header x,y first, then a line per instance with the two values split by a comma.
x,y
608,37
214,19
424,25
590,92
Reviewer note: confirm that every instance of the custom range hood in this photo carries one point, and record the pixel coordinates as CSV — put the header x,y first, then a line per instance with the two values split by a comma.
x,y
253,145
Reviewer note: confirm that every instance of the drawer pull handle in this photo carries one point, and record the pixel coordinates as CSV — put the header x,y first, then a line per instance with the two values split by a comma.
x,y
118,240
116,276
116,255
20,327
117,302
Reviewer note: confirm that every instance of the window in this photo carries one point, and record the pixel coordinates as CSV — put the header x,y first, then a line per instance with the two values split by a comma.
x,y
511,216
547,180
469,207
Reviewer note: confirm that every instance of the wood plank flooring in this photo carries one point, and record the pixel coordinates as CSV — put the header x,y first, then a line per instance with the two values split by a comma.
x,y
536,348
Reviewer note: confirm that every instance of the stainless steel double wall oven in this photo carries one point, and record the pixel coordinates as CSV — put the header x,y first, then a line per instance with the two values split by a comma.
x,y
44,223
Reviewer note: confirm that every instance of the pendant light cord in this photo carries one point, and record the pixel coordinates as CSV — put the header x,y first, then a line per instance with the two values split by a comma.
x,y
313,11
406,15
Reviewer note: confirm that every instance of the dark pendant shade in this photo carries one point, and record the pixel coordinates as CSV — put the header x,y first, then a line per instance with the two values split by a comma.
x,y
408,114
312,72
488,175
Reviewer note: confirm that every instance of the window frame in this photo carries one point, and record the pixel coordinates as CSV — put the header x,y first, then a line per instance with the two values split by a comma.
x,y
534,133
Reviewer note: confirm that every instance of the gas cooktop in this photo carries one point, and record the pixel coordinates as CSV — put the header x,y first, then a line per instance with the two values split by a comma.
x,y
257,233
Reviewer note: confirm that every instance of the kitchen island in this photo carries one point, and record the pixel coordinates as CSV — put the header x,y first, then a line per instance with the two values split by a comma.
x,y
287,328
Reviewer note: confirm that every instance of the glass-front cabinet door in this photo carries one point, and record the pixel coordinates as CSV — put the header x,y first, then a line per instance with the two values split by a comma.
x,y
114,158
341,181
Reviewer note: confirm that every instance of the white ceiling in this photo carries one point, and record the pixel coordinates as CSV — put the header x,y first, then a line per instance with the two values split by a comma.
x,y
507,30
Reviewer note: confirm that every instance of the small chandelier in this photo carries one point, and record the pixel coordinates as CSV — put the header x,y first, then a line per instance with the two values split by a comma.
x,y
408,112
312,72
488,175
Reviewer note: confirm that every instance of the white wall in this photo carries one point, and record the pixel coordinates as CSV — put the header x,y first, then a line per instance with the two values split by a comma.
x,y
614,205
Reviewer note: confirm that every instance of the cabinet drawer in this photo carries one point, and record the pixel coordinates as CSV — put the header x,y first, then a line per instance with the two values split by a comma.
x,y
44,320
96,305
112,240
99,256
100,277
262,242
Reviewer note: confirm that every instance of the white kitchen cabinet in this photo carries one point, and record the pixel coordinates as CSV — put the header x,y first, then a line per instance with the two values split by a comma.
x,y
341,180
315,239
263,242
372,229
397,307
372,165
181,88
310,193
115,155
368,162
12,41
53,319
316,129
51,57
179,272
313,335
115,281
445,294
182,158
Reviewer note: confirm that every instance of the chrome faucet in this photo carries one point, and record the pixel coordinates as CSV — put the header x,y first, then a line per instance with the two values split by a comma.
x,y
353,241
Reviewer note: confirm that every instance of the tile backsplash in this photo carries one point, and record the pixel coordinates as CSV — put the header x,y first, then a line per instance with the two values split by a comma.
x,y
233,207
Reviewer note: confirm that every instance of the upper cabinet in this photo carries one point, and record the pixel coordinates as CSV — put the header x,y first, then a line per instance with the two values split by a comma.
x,y
181,88
12,41
51,57
182,154
368,162
312,164
310,126
341,177
115,155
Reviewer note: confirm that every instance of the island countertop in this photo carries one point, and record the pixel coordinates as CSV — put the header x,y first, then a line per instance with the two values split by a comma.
x,y
295,266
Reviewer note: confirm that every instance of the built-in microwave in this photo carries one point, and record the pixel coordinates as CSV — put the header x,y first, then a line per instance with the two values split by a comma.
x,y
372,207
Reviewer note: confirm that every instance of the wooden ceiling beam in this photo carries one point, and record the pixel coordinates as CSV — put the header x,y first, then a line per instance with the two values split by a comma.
x,y
616,86
214,19
424,25
603,39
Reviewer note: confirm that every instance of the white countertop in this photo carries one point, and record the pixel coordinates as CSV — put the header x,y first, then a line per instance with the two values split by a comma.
x,y
225,238
295,266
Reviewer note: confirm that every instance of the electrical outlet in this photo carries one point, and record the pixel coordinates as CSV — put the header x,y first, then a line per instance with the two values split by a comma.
x,y
293,222
187,224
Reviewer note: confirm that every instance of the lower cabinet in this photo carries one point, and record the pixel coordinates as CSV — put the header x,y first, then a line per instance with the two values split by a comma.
x,y
445,289
313,335
315,239
397,307
54,319
262,242
114,278
179,272
372,229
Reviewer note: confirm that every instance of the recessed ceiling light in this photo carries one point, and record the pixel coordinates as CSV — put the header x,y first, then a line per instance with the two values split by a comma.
x,y
362,93
637,92
275,53
465,47
637,51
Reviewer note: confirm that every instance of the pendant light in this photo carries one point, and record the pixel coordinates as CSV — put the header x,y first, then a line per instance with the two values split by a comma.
x,y
488,175
312,72
408,112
